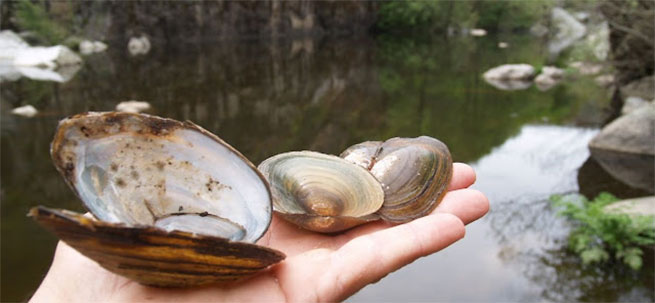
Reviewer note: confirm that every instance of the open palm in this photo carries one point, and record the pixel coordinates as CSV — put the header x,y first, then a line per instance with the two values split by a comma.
x,y
318,267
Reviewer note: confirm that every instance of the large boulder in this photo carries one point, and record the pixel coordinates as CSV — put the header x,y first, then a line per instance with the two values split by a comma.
x,y
643,88
625,148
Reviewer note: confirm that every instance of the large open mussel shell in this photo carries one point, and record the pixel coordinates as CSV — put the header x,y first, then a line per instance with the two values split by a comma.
x,y
321,192
155,186
414,173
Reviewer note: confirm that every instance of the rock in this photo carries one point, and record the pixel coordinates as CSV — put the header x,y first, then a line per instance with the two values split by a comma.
x,y
538,30
644,206
568,31
503,44
15,51
302,24
26,111
599,41
604,80
47,57
593,179
18,59
632,133
478,32
625,148
138,46
544,82
510,72
89,47
548,78
632,103
510,76
133,106
586,68
581,16
10,46
552,72
643,88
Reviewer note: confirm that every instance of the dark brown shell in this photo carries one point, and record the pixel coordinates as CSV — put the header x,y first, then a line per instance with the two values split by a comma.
x,y
155,257
414,173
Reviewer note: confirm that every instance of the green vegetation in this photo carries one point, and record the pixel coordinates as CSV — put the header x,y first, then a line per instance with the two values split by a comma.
x,y
33,18
600,236
425,15
440,15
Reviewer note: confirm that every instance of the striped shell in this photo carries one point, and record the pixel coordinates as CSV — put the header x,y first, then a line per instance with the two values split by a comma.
x,y
155,257
321,192
414,173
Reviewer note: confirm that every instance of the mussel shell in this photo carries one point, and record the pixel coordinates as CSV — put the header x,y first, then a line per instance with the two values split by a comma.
x,y
414,173
321,192
139,169
155,257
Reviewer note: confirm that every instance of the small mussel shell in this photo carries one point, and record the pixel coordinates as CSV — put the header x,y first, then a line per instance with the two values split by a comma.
x,y
414,173
321,192
154,257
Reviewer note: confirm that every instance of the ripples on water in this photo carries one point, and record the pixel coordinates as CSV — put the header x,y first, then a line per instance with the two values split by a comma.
x,y
267,98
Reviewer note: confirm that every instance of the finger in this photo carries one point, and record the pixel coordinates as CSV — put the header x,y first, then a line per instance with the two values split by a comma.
x,y
467,204
463,176
369,258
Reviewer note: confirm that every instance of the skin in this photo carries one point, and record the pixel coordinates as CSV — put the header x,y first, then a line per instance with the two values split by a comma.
x,y
318,267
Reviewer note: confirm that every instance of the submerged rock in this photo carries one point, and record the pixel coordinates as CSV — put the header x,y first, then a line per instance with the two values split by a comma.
x,y
625,148
138,46
478,32
25,111
549,77
593,179
510,84
545,82
88,47
503,44
133,106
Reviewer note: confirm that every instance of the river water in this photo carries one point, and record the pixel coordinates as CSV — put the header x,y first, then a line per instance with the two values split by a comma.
x,y
266,98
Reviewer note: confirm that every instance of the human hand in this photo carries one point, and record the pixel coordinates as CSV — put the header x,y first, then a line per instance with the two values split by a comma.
x,y
318,267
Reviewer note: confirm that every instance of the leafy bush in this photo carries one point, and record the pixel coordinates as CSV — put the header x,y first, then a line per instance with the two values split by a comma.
x,y
599,235
34,19
439,15
424,15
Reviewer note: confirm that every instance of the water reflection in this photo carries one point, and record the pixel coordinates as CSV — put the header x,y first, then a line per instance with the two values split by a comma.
x,y
267,98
